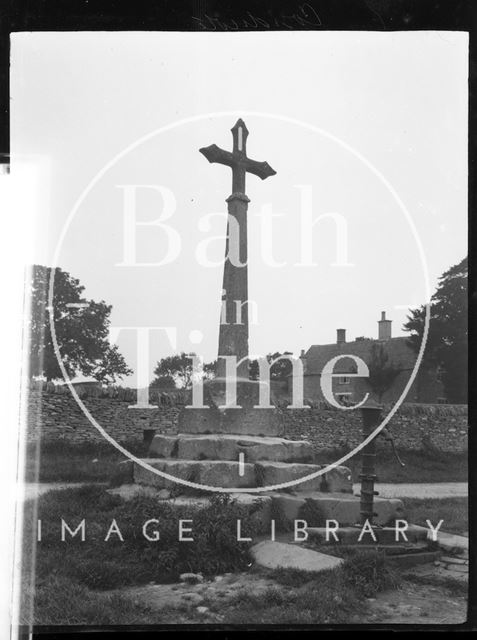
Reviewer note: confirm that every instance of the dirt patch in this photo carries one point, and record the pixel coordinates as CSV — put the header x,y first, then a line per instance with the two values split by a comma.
x,y
419,604
187,602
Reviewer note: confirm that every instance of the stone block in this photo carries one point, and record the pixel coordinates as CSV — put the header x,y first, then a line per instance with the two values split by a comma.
x,y
163,446
184,469
225,474
213,473
338,480
274,555
228,447
243,421
194,420
273,473
343,508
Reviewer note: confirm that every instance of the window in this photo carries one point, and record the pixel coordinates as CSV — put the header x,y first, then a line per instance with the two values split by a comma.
x,y
441,400
343,380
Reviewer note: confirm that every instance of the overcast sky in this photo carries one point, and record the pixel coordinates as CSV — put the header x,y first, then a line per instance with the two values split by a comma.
x,y
319,102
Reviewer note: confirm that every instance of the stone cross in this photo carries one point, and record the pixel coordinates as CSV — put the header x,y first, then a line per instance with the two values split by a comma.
x,y
233,332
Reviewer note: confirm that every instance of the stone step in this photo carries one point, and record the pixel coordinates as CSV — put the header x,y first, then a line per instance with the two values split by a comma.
x,y
211,473
228,447
285,509
226,474
342,507
274,473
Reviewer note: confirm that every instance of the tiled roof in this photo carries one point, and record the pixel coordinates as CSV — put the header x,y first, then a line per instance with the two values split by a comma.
x,y
400,354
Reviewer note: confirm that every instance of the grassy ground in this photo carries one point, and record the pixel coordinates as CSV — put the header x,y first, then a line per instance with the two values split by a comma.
x,y
69,581
454,512
421,466
63,462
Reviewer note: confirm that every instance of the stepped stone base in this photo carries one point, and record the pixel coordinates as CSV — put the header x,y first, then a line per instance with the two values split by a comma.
x,y
228,447
283,507
207,451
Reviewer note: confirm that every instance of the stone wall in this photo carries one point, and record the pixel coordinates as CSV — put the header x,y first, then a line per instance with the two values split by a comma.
x,y
53,414
414,426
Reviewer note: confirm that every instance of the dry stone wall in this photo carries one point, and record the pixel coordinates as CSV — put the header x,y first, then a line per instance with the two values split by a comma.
x,y
53,414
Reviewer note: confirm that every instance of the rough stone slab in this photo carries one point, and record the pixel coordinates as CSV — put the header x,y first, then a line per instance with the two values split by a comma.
x,y
273,473
406,560
344,508
335,481
129,492
163,446
262,514
229,446
453,560
215,473
338,480
273,555
243,421
450,542
225,474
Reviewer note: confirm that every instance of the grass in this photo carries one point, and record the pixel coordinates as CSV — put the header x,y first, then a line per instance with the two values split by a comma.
x,y
66,462
98,462
99,564
336,596
421,466
454,512
453,585
62,601
70,581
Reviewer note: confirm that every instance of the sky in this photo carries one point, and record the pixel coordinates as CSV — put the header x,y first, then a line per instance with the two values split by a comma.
x,y
368,130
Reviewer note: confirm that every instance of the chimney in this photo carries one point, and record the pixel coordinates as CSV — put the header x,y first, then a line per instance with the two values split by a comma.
x,y
384,331
303,359
340,336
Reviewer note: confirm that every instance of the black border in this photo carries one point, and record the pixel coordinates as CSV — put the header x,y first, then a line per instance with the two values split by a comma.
x,y
264,15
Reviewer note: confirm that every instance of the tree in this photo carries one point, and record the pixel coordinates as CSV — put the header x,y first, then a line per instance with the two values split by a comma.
x,y
163,383
382,373
81,332
447,341
179,368
278,371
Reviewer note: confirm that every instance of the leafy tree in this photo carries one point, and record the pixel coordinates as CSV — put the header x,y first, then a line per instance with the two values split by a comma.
x,y
164,383
81,332
382,373
179,368
447,342
278,371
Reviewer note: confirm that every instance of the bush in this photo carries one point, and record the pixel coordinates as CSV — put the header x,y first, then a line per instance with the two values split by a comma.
x,y
102,565
313,513
369,572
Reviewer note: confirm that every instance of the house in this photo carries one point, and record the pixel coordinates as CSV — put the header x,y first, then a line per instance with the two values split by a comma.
x,y
399,356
